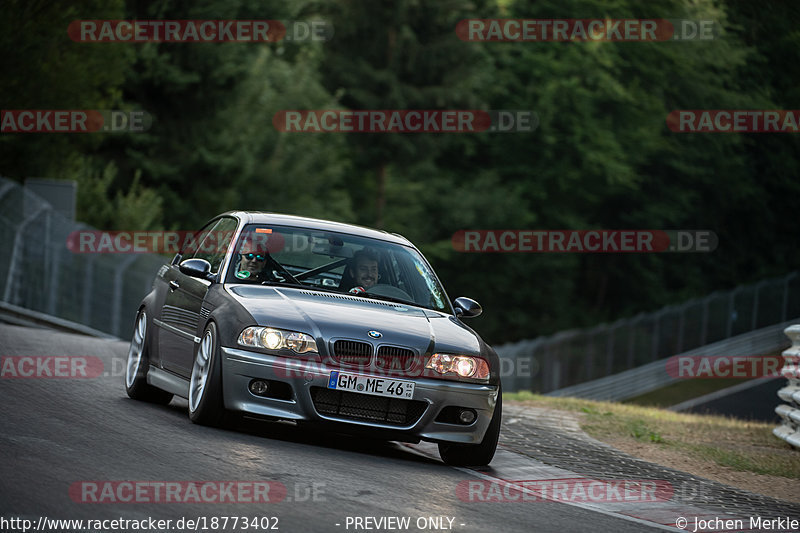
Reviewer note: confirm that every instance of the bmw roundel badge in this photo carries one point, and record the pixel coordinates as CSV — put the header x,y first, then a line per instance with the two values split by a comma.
x,y
375,334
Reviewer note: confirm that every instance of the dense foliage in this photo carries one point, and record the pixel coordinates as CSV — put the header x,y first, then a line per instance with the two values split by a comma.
x,y
601,157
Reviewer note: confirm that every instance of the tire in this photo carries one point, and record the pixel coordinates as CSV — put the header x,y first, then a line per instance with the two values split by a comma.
x,y
476,454
138,362
205,384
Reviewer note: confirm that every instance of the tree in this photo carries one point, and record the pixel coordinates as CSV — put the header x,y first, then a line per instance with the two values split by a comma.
x,y
403,55
212,146
602,157
43,69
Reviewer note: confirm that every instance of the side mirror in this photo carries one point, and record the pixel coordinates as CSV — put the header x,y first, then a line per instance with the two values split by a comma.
x,y
467,307
197,268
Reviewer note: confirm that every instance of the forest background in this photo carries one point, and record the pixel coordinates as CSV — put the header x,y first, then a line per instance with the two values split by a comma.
x,y
602,156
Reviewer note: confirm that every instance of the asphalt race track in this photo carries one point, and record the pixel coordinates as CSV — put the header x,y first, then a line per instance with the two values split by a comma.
x,y
66,440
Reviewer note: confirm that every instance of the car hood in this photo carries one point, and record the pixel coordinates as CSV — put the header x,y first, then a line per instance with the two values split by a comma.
x,y
328,316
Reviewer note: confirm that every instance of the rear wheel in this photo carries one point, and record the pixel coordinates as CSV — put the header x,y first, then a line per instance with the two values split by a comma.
x,y
476,454
205,385
137,364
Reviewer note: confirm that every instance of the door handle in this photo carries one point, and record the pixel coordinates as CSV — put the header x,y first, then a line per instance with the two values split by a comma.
x,y
173,285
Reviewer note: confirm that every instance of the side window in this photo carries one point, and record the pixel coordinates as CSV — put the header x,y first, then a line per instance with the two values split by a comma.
x,y
191,245
213,242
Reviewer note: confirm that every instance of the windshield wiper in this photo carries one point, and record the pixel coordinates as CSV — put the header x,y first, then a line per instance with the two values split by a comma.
x,y
286,284
388,298
300,285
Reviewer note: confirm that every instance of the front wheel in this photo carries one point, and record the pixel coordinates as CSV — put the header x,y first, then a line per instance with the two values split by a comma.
x,y
476,454
205,385
137,364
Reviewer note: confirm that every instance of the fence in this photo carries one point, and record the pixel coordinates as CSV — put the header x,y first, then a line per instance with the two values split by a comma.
x,y
38,272
572,357
652,376
101,291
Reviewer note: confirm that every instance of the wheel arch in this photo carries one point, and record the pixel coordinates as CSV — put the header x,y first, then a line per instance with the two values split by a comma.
x,y
148,304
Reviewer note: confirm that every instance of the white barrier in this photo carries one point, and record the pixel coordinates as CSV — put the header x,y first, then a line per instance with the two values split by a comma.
x,y
789,412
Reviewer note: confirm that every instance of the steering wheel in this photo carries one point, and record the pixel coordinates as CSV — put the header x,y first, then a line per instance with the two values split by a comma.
x,y
384,289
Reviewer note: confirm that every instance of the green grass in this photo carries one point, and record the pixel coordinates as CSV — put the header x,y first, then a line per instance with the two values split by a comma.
x,y
745,446
639,430
681,391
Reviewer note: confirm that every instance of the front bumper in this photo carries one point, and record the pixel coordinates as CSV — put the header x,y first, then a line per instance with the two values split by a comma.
x,y
242,366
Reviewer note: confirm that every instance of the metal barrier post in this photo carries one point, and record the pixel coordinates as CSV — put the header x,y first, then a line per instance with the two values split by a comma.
x,y
117,297
785,306
88,286
704,327
15,257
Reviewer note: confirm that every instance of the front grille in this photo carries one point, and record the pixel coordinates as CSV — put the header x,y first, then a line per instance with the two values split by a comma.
x,y
365,407
394,358
352,353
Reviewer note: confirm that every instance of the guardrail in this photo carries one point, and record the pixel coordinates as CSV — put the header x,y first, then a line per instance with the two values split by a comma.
x,y
25,317
38,272
789,412
577,356
646,378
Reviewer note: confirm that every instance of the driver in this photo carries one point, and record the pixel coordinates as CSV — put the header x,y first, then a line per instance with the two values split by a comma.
x,y
364,269
252,260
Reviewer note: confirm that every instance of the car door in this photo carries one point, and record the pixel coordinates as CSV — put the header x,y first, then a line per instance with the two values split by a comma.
x,y
182,309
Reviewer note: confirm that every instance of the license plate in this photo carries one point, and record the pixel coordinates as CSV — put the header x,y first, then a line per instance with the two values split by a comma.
x,y
375,386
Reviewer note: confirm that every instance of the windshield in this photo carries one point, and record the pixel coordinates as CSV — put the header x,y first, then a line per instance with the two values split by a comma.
x,y
280,255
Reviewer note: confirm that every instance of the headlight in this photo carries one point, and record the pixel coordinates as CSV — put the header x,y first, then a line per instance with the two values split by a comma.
x,y
460,365
276,339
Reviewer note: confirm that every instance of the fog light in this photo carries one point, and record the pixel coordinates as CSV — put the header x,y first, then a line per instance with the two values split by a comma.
x,y
259,387
466,416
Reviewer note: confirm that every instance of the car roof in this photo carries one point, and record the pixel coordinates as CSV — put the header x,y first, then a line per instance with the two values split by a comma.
x,y
261,217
